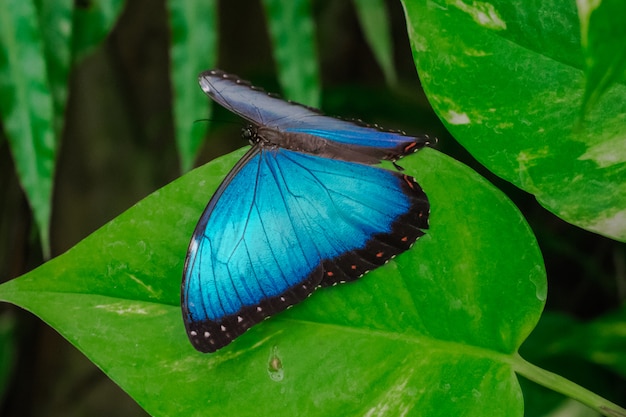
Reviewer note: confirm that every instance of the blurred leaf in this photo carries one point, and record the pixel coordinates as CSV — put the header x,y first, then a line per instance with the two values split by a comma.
x,y
374,21
571,408
603,341
26,105
550,337
194,49
433,333
7,351
547,347
597,347
93,20
293,38
55,21
507,79
603,38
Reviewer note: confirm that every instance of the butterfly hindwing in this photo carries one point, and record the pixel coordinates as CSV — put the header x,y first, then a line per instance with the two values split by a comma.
x,y
405,230
284,223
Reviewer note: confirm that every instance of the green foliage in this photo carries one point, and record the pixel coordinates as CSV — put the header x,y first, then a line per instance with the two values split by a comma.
x,y
292,30
91,24
602,38
508,80
194,49
601,341
26,106
374,21
38,43
437,330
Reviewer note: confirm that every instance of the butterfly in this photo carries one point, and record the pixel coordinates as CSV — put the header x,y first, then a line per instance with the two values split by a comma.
x,y
303,208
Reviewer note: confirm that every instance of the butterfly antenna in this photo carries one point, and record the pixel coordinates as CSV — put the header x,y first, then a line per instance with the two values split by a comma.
x,y
398,167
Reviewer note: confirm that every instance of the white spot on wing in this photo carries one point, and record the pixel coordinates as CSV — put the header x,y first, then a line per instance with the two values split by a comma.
x,y
193,246
205,85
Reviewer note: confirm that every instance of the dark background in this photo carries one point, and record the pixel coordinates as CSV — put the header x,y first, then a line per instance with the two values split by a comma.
x,y
118,147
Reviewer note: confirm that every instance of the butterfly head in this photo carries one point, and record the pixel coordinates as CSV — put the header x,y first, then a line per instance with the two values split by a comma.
x,y
250,134
262,136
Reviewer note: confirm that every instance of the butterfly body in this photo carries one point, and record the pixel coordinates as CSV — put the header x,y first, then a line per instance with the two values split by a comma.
x,y
303,208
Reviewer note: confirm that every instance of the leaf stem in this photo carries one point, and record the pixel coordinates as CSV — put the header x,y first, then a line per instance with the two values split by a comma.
x,y
566,387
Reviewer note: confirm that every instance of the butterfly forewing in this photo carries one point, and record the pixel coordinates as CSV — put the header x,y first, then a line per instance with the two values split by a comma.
x,y
263,109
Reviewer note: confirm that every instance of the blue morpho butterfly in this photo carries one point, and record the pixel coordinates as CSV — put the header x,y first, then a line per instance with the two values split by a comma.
x,y
302,209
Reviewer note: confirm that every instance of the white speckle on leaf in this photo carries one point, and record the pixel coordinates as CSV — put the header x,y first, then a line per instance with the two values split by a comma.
x,y
123,309
606,153
456,304
611,225
455,118
483,13
393,400
476,52
144,285
527,160
420,44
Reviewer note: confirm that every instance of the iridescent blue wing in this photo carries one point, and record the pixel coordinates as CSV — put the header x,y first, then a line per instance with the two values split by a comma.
x,y
283,223
267,110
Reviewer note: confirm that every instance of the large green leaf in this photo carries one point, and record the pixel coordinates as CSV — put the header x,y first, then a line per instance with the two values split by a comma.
x,y
508,80
26,107
435,332
291,27
194,49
